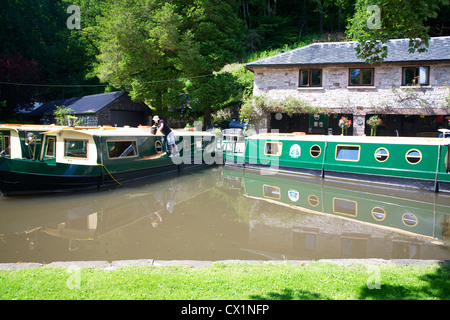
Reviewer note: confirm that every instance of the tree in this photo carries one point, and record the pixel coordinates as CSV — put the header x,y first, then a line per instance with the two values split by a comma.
x,y
160,50
377,21
214,37
63,116
15,69
40,49
214,93
139,43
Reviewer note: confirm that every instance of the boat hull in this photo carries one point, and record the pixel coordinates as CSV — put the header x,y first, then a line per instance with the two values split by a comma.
x,y
19,183
414,183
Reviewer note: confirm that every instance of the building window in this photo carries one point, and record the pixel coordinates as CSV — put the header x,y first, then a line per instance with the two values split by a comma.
x,y
413,76
310,78
361,77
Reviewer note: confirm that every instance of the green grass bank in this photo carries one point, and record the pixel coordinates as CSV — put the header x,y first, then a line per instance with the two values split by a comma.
x,y
235,281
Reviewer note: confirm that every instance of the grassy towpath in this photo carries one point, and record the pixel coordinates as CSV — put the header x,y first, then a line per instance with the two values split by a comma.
x,y
236,281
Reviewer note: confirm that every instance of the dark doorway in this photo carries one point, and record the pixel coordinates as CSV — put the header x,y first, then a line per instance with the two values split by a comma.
x,y
126,118
287,124
333,123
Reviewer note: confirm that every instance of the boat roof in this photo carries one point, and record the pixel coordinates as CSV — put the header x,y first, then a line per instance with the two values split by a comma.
x,y
351,139
29,127
107,131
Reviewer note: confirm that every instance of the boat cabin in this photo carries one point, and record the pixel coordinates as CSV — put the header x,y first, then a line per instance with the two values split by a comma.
x,y
414,162
22,141
36,159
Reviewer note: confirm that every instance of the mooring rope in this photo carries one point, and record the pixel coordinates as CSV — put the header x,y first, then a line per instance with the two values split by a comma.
x,y
101,164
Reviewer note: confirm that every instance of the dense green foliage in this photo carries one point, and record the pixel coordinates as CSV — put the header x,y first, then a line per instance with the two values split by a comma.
x,y
376,21
260,281
170,54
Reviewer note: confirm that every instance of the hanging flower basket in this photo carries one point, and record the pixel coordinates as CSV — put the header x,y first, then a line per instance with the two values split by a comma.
x,y
373,122
344,124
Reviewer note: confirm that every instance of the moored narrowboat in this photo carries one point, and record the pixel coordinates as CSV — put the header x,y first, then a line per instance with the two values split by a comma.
x,y
40,159
422,163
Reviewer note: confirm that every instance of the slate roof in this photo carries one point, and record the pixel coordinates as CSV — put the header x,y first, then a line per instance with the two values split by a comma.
x,y
344,52
86,104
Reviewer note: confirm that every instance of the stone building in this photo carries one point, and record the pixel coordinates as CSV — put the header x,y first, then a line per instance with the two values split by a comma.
x,y
409,92
112,108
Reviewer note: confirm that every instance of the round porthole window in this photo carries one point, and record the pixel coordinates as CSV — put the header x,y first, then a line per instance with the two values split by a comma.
x,y
381,154
410,219
313,200
378,213
413,156
315,151
158,146
186,145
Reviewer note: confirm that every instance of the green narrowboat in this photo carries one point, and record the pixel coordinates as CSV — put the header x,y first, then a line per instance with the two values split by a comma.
x,y
41,159
422,163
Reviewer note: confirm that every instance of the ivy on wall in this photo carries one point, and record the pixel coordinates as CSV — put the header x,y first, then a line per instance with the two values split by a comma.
x,y
258,107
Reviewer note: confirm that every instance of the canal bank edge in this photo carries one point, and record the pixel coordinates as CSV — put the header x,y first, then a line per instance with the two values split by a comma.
x,y
204,263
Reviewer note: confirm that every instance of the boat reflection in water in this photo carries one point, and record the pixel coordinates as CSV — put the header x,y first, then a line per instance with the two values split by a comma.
x,y
227,213
102,225
330,219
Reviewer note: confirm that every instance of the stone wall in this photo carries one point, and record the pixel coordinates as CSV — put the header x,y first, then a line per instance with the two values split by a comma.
x,y
386,96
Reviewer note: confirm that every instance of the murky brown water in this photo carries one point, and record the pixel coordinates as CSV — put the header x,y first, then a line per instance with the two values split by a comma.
x,y
225,213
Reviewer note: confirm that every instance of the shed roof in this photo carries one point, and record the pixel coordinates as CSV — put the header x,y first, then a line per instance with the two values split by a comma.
x,y
86,104
344,52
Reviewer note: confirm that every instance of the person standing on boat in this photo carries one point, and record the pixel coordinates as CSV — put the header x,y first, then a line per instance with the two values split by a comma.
x,y
165,130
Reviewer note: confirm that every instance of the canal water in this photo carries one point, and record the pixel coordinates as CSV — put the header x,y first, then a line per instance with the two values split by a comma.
x,y
227,213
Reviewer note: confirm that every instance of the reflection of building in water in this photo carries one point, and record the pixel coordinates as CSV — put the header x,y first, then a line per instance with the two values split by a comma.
x,y
302,235
332,220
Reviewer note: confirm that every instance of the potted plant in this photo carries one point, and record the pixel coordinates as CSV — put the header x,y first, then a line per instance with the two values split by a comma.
x,y
373,122
344,124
